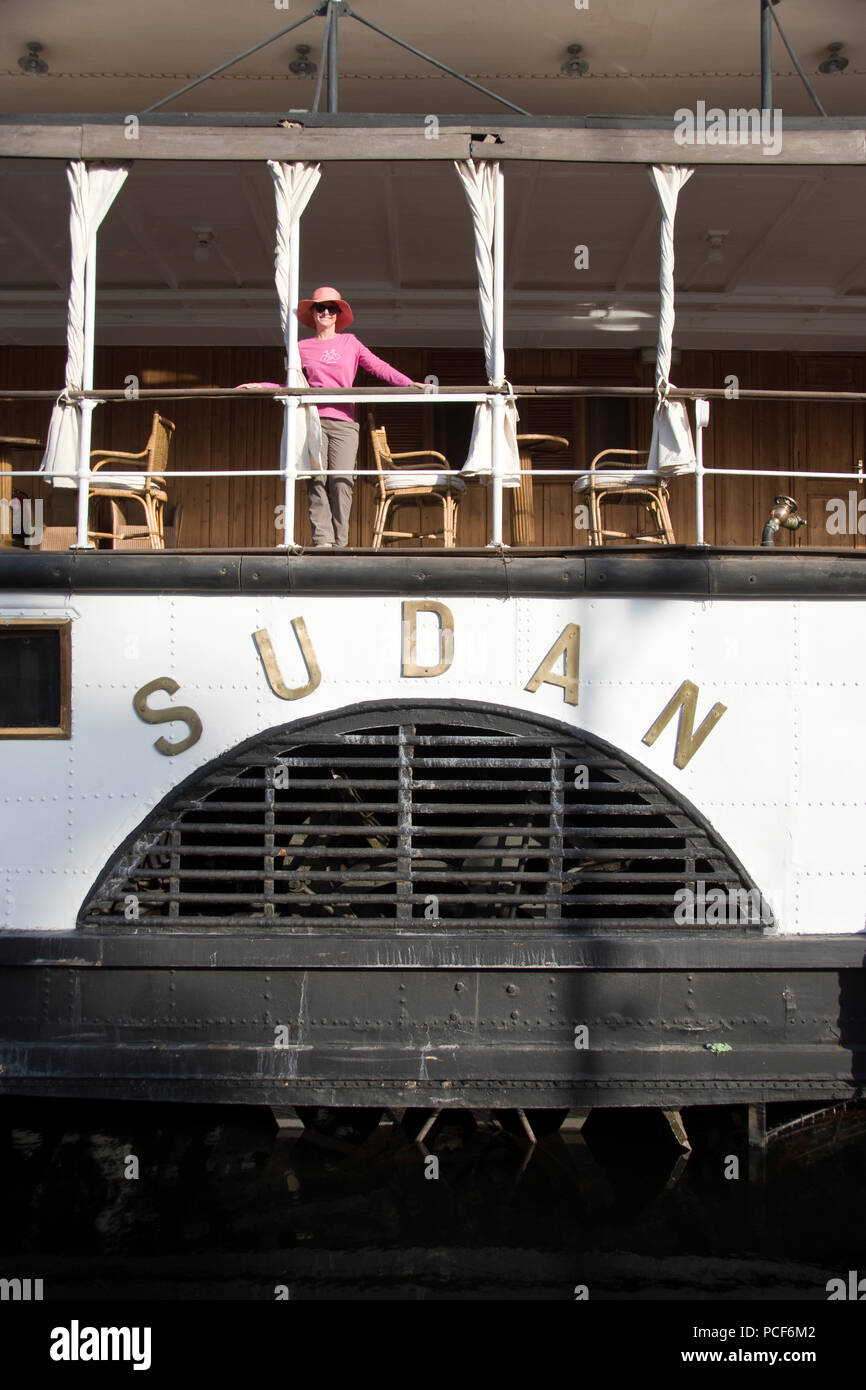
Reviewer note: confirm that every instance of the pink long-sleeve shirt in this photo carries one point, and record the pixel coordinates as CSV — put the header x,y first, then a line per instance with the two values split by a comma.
x,y
330,362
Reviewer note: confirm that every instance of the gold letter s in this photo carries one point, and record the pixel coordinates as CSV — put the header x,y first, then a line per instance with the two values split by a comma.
x,y
165,716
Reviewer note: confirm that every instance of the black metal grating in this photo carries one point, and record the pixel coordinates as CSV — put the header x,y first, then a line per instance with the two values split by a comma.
x,y
421,819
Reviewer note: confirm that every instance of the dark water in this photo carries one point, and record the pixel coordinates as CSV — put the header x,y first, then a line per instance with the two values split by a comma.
x,y
226,1205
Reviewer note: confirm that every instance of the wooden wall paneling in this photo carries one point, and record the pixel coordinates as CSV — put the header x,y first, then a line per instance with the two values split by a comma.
x,y
579,462
815,499
774,441
829,443
831,439
609,423
191,445
545,415
733,422
554,504
364,504
561,365
245,432
23,368
474,519
253,527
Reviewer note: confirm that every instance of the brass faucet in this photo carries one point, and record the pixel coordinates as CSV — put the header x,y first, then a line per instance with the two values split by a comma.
x,y
784,513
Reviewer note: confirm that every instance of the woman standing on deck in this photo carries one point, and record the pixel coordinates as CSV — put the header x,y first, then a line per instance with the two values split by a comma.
x,y
329,360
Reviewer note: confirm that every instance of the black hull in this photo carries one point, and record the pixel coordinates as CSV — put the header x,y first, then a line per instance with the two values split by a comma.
x,y
671,1021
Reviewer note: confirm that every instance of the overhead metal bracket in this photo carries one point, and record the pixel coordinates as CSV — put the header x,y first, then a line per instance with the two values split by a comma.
x,y
332,11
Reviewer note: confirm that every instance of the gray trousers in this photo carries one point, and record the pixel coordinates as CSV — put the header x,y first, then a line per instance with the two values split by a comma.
x,y
330,494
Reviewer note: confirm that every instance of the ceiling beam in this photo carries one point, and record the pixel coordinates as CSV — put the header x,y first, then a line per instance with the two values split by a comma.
x,y
618,145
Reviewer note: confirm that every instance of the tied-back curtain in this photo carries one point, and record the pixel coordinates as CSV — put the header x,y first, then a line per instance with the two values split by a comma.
x,y
672,448
294,185
93,189
479,184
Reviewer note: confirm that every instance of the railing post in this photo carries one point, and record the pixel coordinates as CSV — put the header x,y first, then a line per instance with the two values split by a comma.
x,y
498,428
86,407
702,419
289,462
497,402
84,434
290,432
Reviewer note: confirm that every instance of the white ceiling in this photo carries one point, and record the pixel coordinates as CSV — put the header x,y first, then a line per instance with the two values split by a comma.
x,y
396,238
644,57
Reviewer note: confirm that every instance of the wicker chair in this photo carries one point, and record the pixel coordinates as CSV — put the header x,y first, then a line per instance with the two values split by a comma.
x,y
395,488
147,488
606,481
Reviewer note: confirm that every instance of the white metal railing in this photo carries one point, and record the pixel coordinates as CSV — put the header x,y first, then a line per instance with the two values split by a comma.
x,y
87,402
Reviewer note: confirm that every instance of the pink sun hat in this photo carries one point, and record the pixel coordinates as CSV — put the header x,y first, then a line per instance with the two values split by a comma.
x,y
326,294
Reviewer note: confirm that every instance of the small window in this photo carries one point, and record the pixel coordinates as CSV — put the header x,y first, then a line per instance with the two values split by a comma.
x,y
35,678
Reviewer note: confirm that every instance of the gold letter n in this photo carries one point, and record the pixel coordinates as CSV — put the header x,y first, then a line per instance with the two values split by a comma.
x,y
686,701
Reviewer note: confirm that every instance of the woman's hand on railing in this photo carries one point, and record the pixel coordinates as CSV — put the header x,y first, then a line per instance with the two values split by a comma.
x,y
255,385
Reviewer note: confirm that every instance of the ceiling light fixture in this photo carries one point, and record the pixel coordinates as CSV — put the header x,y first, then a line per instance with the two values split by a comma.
x,y
303,65
204,239
836,62
717,245
575,66
32,63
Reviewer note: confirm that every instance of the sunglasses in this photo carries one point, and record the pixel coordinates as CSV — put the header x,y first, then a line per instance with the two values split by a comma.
x,y
326,308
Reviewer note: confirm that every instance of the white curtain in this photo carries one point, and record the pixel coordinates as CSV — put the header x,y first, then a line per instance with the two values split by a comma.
x,y
294,185
672,449
93,189
479,184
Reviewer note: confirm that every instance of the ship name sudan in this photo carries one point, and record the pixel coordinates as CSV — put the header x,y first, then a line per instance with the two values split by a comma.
x,y
536,831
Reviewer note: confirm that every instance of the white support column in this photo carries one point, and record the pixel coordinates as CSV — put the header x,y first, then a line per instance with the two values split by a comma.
x,y
86,408
290,403
499,280
702,419
498,404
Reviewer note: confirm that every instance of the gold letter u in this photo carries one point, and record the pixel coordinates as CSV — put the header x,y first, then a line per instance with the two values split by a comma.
x,y
272,670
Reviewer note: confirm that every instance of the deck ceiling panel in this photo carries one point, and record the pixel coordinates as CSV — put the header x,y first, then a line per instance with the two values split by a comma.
x,y
397,239
153,231
34,222
119,55
434,228
344,232
603,209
